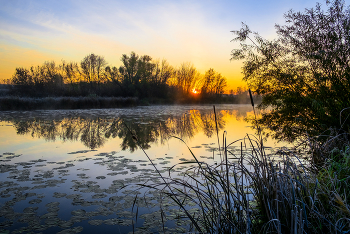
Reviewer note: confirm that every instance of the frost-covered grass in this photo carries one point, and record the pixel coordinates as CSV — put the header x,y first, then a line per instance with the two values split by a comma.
x,y
25,103
251,191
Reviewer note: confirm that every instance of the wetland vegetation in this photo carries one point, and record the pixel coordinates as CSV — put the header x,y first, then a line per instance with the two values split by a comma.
x,y
223,185
303,77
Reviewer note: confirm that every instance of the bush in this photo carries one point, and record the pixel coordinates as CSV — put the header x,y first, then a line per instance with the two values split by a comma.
x,y
304,74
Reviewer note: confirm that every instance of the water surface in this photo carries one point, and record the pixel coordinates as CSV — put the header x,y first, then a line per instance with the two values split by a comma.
x,y
74,171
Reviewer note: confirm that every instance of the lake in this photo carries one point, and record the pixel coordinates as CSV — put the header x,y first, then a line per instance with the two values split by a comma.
x,y
77,171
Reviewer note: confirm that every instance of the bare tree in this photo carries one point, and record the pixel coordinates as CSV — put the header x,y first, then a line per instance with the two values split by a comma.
x,y
186,77
70,72
93,67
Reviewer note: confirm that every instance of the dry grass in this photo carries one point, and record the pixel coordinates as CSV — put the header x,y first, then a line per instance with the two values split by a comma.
x,y
252,191
21,103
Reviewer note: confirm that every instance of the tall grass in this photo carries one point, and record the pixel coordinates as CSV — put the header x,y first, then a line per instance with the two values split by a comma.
x,y
252,190
21,103
244,193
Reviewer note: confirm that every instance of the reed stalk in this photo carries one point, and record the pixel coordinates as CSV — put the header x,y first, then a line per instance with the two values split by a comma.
x,y
254,191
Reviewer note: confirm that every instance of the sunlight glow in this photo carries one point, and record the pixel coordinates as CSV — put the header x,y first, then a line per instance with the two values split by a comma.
x,y
194,91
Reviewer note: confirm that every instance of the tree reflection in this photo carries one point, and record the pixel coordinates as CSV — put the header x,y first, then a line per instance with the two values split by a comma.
x,y
94,132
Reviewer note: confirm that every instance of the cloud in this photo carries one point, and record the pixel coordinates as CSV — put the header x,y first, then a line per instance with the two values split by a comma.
x,y
180,31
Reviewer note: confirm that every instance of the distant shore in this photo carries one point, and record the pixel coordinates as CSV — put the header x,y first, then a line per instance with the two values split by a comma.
x,y
8,103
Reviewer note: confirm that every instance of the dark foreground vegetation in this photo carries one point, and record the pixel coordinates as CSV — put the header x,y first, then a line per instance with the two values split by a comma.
x,y
304,76
254,190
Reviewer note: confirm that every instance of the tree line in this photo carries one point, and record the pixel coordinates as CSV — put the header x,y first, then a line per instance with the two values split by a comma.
x,y
138,76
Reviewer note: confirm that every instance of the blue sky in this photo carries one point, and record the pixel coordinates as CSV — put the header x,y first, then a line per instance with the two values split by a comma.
x,y
198,31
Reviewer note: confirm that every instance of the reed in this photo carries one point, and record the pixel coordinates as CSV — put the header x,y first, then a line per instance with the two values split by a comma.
x,y
253,190
8,103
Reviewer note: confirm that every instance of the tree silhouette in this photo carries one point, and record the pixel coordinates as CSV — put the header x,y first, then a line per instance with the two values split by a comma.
x,y
213,84
304,75
138,76
93,67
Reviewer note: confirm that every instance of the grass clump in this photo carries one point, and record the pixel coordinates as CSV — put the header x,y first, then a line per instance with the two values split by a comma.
x,y
258,190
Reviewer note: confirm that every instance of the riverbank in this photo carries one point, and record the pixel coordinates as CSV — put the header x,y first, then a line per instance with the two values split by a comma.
x,y
8,103
52,103
255,191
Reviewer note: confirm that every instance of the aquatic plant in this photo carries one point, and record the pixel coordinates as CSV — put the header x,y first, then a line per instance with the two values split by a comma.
x,y
252,190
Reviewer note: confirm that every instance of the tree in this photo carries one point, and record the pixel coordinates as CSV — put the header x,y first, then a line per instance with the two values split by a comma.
x,y
304,74
93,67
163,72
50,75
112,74
186,77
137,74
208,83
145,69
220,84
100,68
21,77
70,72
129,68
39,80
213,83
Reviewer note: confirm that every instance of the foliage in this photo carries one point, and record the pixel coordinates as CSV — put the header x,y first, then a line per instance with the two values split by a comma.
x,y
213,83
40,79
304,74
92,67
253,190
138,76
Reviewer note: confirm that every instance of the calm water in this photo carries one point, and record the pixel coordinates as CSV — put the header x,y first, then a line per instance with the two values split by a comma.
x,y
74,171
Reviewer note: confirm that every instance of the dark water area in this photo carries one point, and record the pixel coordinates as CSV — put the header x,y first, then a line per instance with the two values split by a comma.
x,y
78,171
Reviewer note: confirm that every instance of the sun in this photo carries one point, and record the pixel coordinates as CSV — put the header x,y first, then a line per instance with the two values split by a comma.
x,y
194,91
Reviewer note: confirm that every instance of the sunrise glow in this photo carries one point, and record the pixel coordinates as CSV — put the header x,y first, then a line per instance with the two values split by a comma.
x,y
199,32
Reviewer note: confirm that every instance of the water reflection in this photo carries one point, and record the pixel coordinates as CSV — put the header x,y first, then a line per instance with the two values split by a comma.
x,y
93,132
45,188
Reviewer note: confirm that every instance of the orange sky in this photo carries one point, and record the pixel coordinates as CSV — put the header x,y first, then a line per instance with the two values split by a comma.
x,y
14,56
35,31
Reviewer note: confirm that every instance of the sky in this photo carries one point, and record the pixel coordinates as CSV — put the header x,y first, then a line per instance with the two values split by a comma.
x,y
195,31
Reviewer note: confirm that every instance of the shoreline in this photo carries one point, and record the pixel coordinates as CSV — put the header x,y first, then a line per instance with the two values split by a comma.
x,y
14,103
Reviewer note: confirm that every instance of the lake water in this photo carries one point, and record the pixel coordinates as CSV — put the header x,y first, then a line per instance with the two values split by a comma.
x,y
71,171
